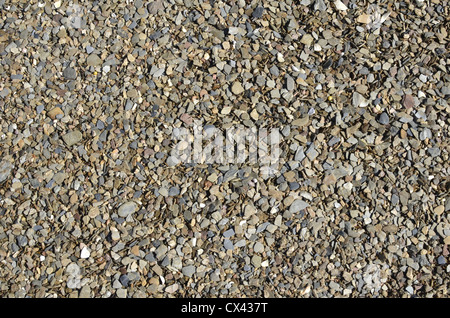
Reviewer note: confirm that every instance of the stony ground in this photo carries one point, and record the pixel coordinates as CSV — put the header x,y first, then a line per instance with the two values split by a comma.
x,y
90,92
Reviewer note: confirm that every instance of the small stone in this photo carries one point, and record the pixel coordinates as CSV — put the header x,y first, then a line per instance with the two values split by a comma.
x,y
124,280
70,73
121,293
228,233
85,292
155,7
391,228
320,5
172,161
297,206
359,100
115,234
258,12
72,138
174,191
441,260
329,180
340,6
55,112
290,84
5,92
189,270
408,101
258,247
127,209
93,60
5,170
364,18
307,39
22,240
439,210
228,244
237,88
171,289
410,290
256,261
434,151
383,119
85,252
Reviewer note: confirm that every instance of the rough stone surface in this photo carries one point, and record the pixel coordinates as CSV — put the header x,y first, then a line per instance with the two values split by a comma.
x,y
117,120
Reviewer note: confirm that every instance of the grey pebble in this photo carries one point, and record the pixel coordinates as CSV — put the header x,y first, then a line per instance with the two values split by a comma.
x,y
5,170
383,119
70,73
258,12
297,206
127,209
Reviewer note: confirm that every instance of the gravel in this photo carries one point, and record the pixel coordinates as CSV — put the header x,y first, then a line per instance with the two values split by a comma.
x,y
95,201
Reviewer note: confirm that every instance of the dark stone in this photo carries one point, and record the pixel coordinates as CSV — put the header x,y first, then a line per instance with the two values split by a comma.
x,y
258,12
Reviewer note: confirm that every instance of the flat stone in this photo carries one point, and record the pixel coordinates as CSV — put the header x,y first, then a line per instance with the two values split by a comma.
x,y
55,112
5,170
258,247
439,210
70,73
383,119
319,5
228,244
228,233
93,60
155,6
124,280
237,88
72,138
174,191
358,100
172,161
85,292
121,293
408,101
258,12
189,270
127,209
256,261
297,206
85,252
307,39
290,84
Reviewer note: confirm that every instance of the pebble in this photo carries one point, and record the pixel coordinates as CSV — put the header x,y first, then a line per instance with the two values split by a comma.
x,y
189,270
127,209
258,12
359,100
297,206
237,88
85,292
174,191
85,253
70,73
383,119
93,60
72,138
6,168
